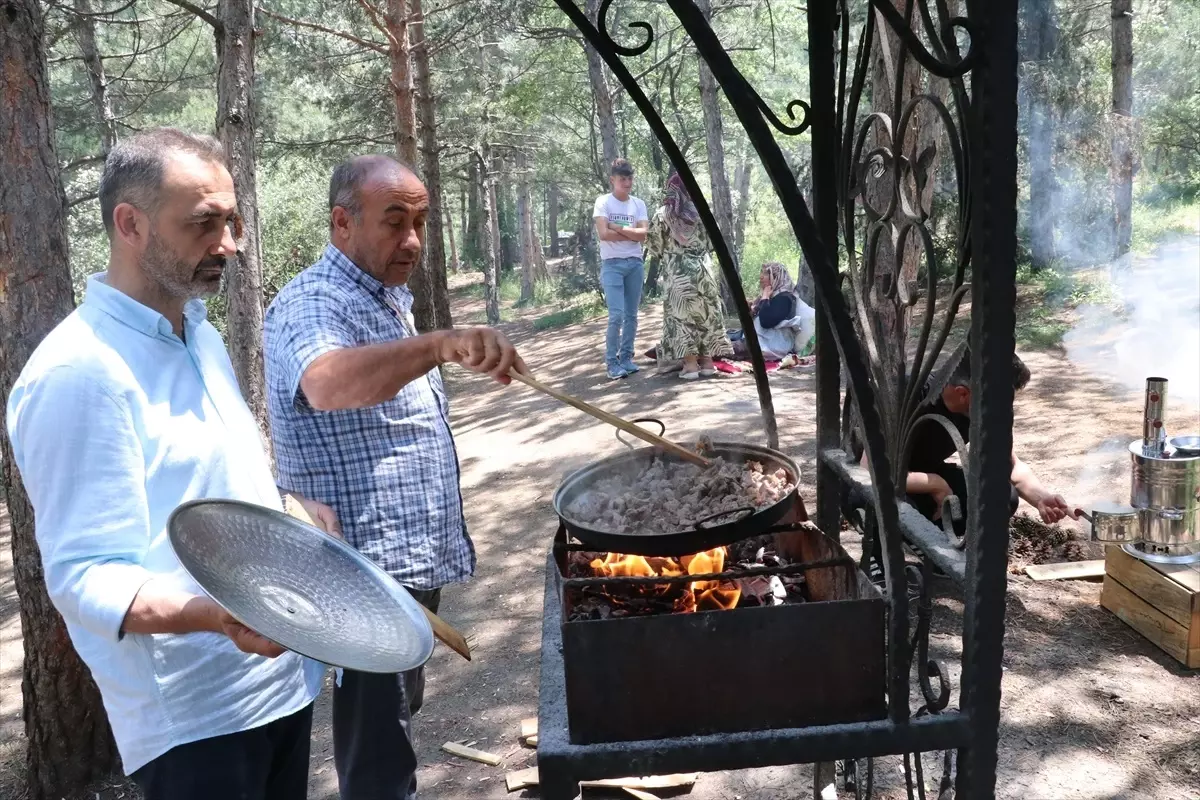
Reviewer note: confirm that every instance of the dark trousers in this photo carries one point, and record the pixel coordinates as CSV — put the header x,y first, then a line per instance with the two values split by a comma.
x,y
269,762
372,728
956,478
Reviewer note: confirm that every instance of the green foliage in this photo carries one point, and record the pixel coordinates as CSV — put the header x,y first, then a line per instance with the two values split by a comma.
x,y
769,237
513,75
294,220
1154,222
1043,317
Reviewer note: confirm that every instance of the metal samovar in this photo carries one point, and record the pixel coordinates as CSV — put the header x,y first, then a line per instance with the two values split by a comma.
x,y
1162,523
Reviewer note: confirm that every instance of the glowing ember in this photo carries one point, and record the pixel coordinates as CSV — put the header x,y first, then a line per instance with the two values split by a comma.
x,y
695,596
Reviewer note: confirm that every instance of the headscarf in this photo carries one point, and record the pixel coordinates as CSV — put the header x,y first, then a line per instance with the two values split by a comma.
x,y
780,280
682,216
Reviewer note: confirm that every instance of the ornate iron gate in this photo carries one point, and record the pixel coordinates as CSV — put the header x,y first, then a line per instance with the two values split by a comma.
x,y
871,214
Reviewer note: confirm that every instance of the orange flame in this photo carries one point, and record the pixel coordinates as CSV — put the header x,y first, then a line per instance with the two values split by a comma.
x,y
697,596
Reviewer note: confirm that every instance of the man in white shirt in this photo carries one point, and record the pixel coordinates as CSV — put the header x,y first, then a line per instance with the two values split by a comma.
x,y
621,227
128,408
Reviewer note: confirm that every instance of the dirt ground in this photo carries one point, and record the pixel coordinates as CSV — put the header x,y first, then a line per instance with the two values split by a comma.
x,y
1090,708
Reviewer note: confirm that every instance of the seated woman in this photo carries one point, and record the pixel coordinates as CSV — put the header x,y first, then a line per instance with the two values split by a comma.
x,y
785,324
693,329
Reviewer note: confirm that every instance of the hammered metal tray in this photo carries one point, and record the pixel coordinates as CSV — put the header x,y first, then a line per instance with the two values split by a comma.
x,y
300,587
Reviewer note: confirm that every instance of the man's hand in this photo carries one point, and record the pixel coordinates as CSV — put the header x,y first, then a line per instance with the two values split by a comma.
x,y
247,640
940,490
1053,508
313,512
483,350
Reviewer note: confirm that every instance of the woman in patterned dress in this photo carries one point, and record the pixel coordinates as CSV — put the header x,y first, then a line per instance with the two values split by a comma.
x,y
693,328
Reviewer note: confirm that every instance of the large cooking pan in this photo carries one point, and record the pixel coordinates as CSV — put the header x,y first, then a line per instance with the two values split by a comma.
x,y
704,534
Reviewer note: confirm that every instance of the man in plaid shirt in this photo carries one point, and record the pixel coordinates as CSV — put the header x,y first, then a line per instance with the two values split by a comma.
x,y
360,421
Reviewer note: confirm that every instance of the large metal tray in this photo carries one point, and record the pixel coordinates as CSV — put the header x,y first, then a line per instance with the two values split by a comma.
x,y
298,586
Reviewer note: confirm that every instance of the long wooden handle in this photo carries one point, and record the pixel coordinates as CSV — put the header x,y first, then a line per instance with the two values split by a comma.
x,y
441,629
612,419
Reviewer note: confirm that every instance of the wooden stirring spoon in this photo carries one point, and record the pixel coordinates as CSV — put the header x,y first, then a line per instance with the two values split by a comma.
x,y
612,419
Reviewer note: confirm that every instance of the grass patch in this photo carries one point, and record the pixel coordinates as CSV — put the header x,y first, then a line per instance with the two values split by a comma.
x,y
1153,223
545,292
569,316
1041,328
1049,296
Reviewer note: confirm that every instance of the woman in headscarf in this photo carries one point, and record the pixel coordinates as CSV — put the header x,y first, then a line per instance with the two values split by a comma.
x,y
693,329
784,323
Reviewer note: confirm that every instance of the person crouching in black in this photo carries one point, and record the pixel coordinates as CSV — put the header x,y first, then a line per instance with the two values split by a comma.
x,y
932,479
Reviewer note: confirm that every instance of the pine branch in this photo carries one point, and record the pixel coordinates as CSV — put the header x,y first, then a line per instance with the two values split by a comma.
x,y
79,162
378,21
82,199
378,47
199,12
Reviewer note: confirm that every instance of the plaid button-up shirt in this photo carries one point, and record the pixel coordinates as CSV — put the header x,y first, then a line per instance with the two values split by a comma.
x,y
390,471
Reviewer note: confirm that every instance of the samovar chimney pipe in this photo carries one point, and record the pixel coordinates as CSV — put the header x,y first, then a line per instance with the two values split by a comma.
x,y
1154,422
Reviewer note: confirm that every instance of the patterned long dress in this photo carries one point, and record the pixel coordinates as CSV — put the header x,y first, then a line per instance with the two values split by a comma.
x,y
692,321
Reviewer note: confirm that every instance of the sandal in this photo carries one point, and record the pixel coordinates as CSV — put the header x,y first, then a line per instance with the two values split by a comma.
x,y
689,376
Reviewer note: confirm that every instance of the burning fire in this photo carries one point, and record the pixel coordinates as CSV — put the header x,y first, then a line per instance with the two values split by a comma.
x,y
695,596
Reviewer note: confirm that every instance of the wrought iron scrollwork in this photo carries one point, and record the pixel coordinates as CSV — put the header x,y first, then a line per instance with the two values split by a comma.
x,y
888,212
876,171
780,125
625,50
928,60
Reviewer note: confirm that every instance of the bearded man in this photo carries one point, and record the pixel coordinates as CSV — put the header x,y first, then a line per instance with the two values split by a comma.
x,y
128,408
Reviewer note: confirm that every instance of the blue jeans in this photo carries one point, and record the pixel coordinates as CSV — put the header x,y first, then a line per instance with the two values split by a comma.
x,y
621,279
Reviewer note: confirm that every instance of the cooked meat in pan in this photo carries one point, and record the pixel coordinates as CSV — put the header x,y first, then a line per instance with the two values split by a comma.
x,y
668,497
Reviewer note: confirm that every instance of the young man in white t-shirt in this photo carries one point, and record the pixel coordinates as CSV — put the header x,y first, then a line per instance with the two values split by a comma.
x,y
621,226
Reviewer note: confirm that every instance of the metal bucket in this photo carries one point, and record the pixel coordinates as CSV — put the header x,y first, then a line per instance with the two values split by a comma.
x,y
1166,489
1113,523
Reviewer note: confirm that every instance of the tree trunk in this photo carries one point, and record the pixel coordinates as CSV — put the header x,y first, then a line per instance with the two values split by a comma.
x,y
552,212
473,250
68,737
1122,106
534,246
508,230
235,127
525,228
464,224
85,35
521,212
489,232
401,82
714,137
603,99
431,296
450,240
742,178
495,195
1041,44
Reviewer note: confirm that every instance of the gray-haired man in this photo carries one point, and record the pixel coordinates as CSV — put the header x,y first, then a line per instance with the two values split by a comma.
x,y
360,419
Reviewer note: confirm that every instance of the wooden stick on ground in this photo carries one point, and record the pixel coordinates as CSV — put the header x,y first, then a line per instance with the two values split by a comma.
x,y
612,419
525,778
455,749
1070,570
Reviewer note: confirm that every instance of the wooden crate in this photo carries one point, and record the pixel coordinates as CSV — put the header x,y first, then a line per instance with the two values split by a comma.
x,y
1160,602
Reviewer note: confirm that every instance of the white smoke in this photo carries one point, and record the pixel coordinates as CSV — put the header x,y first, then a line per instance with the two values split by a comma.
x,y
1153,331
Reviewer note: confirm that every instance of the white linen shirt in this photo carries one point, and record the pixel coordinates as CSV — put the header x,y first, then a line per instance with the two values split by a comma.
x,y
114,422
